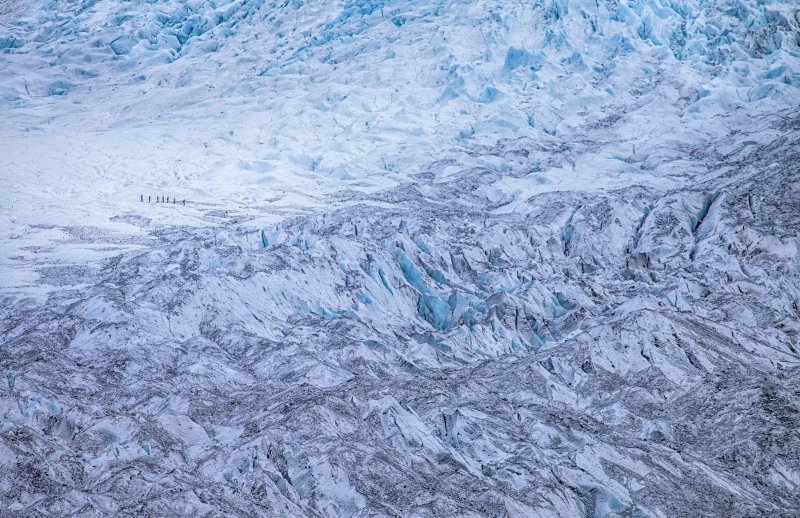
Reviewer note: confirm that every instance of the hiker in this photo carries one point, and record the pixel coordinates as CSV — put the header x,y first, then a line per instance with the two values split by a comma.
x,y
173,200
141,198
148,198
184,203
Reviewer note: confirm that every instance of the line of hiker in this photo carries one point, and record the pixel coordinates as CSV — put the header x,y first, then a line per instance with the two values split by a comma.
x,y
161,199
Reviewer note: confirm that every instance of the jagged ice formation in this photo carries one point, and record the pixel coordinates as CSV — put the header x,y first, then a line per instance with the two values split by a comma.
x,y
438,258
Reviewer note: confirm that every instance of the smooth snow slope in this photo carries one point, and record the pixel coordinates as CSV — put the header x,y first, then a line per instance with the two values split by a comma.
x,y
438,258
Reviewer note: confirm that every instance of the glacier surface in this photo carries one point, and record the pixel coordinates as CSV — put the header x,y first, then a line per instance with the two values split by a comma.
x,y
437,258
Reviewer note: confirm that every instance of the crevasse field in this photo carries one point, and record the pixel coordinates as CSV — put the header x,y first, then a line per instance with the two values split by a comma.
x,y
437,258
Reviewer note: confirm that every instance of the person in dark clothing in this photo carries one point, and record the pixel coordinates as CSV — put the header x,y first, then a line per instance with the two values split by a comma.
x,y
141,197
173,200
184,203
148,198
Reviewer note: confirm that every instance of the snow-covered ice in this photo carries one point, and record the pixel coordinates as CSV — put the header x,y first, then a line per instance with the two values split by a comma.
x,y
477,258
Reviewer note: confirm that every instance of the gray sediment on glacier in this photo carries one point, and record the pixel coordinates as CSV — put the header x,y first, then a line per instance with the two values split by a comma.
x,y
419,351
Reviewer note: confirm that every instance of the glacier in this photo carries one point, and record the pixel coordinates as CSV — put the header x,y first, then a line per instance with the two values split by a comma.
x,y
476,258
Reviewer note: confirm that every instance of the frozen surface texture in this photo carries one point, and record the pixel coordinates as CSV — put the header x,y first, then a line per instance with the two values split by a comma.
x,y
475,258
